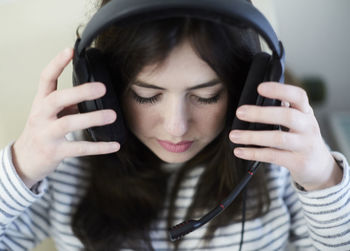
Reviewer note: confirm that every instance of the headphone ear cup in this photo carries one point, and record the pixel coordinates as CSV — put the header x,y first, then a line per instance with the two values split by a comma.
x,y
249,95
98,72
260,71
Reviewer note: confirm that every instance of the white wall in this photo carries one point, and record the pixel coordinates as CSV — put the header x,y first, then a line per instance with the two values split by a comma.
x,y
316,35
32,32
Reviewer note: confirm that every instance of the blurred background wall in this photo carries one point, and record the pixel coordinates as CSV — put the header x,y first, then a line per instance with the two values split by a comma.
x,y
32,33
315,34
316,38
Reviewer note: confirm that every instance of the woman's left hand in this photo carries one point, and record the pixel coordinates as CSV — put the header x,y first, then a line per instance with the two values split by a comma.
x,y
301,149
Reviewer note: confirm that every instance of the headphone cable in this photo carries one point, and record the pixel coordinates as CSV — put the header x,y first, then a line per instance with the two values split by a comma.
x,y
178,231
244,201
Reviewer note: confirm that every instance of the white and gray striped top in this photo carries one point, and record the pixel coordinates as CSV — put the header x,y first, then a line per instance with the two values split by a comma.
x,y
318,220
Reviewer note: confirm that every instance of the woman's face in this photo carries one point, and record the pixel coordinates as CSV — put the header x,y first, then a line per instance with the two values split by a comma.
x,y
178,107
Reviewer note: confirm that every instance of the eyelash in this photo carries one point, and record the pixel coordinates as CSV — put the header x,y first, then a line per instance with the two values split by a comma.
x,y
211,100
143,100
154,99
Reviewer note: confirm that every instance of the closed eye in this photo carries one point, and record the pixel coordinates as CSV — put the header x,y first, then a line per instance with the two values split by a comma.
x,y
211,100
145,100
154,99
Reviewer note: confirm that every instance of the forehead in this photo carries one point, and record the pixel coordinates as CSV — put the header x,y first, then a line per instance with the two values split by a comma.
x,y
181,69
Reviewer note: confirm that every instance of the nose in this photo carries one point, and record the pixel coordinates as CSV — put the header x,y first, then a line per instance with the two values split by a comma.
x,y
176,118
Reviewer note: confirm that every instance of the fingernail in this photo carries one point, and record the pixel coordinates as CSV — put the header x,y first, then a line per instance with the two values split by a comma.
x,y
110,117
115,146
241,111
239,152
265,88
234,135
99,88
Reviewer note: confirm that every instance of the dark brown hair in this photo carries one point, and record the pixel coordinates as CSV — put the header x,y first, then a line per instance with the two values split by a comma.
x,y
128,189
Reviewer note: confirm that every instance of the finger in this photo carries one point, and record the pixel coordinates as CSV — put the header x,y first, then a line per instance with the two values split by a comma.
x,y
58,100
85,148
82,121
49,76
287,117
295,96
275,139
268,155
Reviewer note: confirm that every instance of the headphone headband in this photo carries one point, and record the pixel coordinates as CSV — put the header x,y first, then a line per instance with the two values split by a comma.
x,y
225,11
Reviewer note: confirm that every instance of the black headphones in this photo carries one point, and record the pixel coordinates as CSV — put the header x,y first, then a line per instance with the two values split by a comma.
x,y
89,66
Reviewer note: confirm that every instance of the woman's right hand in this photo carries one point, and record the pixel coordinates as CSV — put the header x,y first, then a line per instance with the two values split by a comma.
x,y
54,113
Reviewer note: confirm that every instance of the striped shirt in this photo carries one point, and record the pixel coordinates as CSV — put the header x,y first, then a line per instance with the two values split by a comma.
x,y
317,220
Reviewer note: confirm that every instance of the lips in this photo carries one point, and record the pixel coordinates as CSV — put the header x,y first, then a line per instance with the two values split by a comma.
x,y
180,147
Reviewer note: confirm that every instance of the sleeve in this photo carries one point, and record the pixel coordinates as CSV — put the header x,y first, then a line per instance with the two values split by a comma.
x,y
23,211
299,237
327,212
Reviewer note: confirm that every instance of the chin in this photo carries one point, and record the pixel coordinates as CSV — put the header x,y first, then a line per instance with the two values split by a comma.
x,y
174,159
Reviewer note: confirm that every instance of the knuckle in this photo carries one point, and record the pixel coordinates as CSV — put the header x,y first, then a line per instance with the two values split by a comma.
x,y
271,157
254,155
33,119
248,138
282,138
61,154
63,124
290,117
298,142
309,109
84,89
52,100
302,162
81,150
303,96
309,144
46,76
315,129
43,78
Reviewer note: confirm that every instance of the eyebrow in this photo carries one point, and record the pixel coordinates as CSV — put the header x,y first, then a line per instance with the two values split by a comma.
x,y
202,85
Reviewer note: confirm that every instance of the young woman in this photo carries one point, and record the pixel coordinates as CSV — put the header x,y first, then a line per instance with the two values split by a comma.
x,y
179,81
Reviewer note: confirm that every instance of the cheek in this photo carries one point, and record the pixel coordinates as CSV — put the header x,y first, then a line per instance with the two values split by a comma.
x,y
217,120
212,120
139,118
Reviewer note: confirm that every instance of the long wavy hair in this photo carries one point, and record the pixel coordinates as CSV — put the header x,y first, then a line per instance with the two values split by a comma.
x,y
127,190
